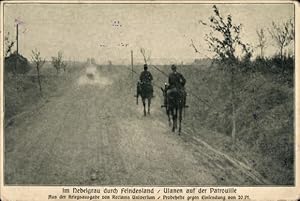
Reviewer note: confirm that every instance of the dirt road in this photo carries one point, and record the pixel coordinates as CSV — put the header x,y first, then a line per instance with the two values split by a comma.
x,y
95,134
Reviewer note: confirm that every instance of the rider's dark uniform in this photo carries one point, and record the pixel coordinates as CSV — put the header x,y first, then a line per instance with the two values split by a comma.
x,y
176,80
146,77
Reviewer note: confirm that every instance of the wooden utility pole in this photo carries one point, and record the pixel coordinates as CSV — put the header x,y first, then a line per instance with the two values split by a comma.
x,y
132,64
17,37
17,50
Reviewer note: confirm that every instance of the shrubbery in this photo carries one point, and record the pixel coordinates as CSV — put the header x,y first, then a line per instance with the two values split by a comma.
x,y
264,109
251,101
16,63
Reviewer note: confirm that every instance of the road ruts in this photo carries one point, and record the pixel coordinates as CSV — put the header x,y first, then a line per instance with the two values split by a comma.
x,y
95,134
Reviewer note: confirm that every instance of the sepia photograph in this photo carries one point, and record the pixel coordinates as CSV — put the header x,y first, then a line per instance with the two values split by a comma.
x,y
148,94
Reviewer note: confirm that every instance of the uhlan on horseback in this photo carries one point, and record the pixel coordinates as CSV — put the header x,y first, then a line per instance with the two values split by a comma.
x,y
145,88
175,98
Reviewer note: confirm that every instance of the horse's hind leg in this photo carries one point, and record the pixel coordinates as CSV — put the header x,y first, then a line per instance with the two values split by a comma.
x,y
144,105
170,124
168,114
174,124
180,119
173,128
149,103
137,94
174,118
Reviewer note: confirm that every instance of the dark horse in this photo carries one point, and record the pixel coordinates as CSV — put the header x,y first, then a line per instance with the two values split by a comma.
x,y
175,104
145,90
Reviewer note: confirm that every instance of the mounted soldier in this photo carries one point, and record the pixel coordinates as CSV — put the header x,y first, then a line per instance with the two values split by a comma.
x,y
146,78
175,98
145,88
176,83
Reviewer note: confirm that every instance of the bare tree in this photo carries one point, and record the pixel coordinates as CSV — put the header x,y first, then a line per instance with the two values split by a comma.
x,y
8,45
282,34
224,41
292,34
38,62
197,49
93,61
194,47
58,63
64,66
262,42
146,55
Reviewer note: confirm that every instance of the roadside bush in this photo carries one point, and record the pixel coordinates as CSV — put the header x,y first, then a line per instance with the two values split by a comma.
x,y
265,111
16,63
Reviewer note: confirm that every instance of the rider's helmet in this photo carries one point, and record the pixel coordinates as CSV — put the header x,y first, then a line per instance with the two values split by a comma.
x,y
145,67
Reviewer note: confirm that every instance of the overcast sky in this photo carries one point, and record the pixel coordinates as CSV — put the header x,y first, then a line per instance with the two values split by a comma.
x,y
98,30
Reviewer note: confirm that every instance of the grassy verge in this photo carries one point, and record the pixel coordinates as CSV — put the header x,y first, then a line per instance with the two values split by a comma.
x,y
265,108
22,93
